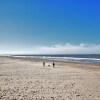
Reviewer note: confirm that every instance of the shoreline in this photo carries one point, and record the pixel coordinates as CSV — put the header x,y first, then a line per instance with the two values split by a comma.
x,y
57,61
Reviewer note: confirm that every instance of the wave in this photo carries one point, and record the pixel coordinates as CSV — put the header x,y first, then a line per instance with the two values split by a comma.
x,y
71,59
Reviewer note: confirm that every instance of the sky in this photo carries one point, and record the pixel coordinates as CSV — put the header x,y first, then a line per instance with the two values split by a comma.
x,y
49,26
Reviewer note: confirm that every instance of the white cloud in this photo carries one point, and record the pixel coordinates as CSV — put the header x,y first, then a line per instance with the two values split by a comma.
x,y
58,49
68,49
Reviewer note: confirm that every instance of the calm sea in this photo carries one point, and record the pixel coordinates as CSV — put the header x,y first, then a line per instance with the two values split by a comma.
x,y
86,58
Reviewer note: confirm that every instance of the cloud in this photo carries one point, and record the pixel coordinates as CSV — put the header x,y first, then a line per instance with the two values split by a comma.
x,y
57,49
68,49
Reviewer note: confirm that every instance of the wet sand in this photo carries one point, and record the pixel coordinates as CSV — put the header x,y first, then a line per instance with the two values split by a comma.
x,y
27,79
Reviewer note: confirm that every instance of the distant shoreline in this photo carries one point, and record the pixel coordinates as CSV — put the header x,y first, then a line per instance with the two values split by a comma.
x,y
80,58
90,65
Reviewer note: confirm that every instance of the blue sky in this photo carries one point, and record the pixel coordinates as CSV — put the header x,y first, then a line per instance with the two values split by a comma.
x,y
26,25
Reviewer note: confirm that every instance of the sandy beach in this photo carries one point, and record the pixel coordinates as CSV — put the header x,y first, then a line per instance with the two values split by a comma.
x,y
27,79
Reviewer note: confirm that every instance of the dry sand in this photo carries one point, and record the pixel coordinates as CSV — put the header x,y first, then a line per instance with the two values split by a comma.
x,y
27,79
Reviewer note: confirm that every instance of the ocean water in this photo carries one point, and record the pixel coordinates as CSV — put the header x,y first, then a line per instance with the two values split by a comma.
x,y
86,58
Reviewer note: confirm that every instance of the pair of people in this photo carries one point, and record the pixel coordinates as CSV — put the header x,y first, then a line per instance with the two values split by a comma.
x,y
52,64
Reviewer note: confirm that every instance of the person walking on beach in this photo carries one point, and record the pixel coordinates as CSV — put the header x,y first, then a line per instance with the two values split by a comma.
x,y
53,65
43,64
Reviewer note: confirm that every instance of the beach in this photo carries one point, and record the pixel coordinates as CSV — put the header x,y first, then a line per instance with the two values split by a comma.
x,y
27,79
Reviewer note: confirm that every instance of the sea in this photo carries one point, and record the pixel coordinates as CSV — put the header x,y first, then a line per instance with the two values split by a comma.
x,y
86,58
